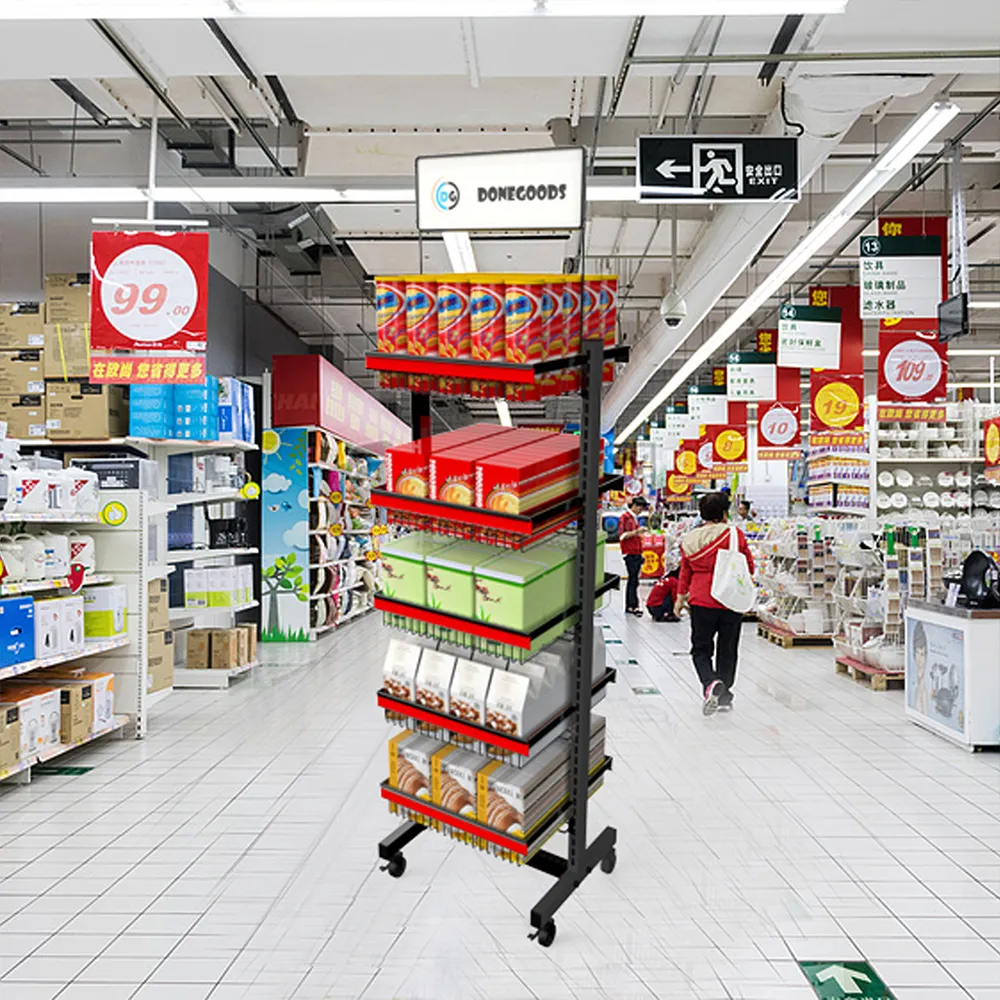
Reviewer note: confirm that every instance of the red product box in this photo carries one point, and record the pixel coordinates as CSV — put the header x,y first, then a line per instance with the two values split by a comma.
x,y
518,482
408,465
453,472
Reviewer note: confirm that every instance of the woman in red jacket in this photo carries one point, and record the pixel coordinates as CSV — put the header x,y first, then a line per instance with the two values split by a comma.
x,y
714,628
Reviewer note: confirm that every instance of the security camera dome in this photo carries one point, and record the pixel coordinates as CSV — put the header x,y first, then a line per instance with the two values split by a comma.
x,y
673,308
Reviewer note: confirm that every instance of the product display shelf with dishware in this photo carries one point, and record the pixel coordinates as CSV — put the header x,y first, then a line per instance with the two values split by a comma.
x,y
496,829
317,502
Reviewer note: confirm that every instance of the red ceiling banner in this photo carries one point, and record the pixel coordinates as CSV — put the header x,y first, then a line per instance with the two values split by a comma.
x,y
779,431
767,341
918,225
913,367
836,401
846,298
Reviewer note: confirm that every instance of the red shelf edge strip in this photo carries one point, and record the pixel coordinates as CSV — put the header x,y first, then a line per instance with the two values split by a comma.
x,y
433,366
466,515
455,726
466,625
453,820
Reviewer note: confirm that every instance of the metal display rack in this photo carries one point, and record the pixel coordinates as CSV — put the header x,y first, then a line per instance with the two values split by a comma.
x,y
583,855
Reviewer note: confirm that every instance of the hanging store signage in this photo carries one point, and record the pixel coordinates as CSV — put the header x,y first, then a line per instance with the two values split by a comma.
x,y
719,377
991,448
808,337
900,276
707,404
527,189
779,431
920,225
686,458
750,376
729,449
678,488
767,341
679,426
835,401
717,168
846,298
913,369
837,439
180,369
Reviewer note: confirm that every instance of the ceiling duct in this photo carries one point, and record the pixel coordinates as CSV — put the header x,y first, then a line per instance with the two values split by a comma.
x,y
826,107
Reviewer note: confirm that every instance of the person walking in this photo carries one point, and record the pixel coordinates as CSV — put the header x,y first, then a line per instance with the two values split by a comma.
x,y
715,630
630,540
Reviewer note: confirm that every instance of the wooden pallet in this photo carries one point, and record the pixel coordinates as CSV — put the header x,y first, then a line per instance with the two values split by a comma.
x,y
878,678
786,639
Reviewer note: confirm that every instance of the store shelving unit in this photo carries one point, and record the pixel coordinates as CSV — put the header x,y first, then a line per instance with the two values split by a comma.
x,y
583,855
92,648
206,555
212,679
21,774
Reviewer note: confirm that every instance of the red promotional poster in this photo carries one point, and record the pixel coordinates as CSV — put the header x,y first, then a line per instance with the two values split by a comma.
x,y
149,292
836,401
729,448
779,431
913,369
991,448
846,298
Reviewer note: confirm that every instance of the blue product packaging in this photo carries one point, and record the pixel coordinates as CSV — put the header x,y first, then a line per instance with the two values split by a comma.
x,y
17,630
151,398
249,430
180,528
149,425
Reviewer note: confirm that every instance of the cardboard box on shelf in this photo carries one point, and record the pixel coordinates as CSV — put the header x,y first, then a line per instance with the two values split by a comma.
x,y
40,711
242,647
67,298
453,471
78,411
22,373
225,648
103,685
17,630
21,326
67,350
159,660
123,473
24,416
251,634
158,606
160,677
76,704
10,736
199,649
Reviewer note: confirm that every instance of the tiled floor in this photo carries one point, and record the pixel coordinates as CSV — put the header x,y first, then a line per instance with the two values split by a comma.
x,y
232,854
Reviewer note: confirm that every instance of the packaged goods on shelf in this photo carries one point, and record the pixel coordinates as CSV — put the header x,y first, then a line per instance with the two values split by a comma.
x,y
454,320
404,565
67,298
59,626
158,605
159,660
520,593
76,704
520,481
469,687
67,350
103,685
408,465
390,307
17,630
421,315
251,640
40,711
21,326
196,411
521,698
123,473
151,411
22,373
222,587
105,611
24,416
434,677
487,304
81,410
199,649
10,735
450,576
30,488
225,644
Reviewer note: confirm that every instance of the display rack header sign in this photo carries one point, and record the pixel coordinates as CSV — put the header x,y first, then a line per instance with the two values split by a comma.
x,y
750,376
529,189
900,276
808,337
717,168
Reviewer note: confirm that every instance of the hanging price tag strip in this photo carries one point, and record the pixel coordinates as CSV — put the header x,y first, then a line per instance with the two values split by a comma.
x,y
913,414
147,370
836,439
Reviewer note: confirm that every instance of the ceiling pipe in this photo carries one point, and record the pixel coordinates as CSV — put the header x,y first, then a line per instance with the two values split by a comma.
x,y
735,59
827,107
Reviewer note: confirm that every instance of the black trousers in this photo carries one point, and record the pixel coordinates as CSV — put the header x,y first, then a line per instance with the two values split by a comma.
x,y
633,565
715,635
662,610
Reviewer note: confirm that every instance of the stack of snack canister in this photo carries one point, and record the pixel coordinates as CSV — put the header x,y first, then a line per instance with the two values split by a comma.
x,y
505,318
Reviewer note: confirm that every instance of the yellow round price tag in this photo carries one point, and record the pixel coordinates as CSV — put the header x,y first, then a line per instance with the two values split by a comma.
x,y
250,491
371,556
687,462
677,485
730,445
992,444
837,405
336,497
114,514
336,530
380,529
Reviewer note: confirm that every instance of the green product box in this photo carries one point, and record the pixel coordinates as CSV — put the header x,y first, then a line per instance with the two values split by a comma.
x,y
404,571
450,581
105,613
515,592
558,555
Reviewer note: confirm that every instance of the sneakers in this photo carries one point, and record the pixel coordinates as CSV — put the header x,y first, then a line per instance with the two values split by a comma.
x,y
713,695
671,618
638,612
726,701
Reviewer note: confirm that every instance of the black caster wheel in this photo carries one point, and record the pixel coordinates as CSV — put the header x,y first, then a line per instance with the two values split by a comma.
x,y
547,933
396,866
608,862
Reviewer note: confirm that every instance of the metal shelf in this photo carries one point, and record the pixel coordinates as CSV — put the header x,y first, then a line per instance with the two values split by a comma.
x,y
52,752
91,648
219,496
483,734
35,586
339,590
50,516
484,630
839,482
181,613
218,679
947,460
173,445
204,555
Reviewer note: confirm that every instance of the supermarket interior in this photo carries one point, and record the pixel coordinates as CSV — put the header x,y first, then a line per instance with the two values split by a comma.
x,y
499,500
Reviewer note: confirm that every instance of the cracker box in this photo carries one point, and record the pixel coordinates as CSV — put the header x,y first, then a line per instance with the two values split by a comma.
x,y
434,677
521,481
453,470
459,777
399,673
408,465
469,686
10,736
416,764
524,697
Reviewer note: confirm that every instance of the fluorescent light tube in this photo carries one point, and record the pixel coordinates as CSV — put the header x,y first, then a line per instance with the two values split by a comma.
x,y
876,177
71,194
460,252
984,305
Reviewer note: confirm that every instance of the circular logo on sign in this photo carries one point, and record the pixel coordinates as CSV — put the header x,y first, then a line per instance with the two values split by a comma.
x,y
871,247
992,444
250,491
705,455
446,196
912,369
148,293
336,530
730,445
778,426
677,484
687,463
837,405
371,555
336,497
114,513
788,312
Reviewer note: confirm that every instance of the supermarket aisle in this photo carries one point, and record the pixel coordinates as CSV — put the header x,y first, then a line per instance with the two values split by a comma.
x,y
232,855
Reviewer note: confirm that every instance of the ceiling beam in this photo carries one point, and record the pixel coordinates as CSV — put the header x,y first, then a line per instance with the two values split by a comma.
x,y
736,59
82,101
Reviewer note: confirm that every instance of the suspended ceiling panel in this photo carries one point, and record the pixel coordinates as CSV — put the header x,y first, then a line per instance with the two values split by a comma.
x,y
35,50
183,48
372,219
403,256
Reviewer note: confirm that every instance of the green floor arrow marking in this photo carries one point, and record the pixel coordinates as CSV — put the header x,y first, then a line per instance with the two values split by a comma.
x,y
845,981
645,690
72,771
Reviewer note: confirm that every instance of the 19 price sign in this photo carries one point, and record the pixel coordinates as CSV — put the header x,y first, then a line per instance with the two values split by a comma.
x,y
914,367
149,291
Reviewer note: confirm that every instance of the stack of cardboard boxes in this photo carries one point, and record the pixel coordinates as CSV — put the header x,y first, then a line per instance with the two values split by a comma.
x,y
45,364
159,640
221,648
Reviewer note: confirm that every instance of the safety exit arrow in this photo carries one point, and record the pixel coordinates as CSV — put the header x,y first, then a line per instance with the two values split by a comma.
x,y
845,981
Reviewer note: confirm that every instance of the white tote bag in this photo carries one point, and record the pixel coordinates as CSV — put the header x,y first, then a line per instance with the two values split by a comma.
x,y
732,584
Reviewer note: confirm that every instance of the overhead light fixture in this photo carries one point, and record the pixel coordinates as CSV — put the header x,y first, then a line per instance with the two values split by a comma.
x,y
145,224
913,139
503,413
984,305
71,195
460,252
326,9
956,352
